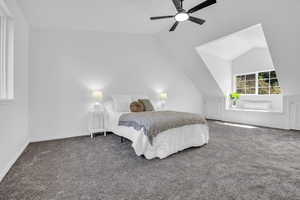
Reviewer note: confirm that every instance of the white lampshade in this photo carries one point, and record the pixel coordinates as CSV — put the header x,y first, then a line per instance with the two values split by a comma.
x,y
163,96
98,95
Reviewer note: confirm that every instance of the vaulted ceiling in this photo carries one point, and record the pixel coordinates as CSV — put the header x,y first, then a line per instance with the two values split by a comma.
x,y
128,16
281,24
279,18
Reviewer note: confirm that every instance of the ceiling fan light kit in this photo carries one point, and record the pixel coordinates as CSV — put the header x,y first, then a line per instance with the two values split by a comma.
x,y
183,15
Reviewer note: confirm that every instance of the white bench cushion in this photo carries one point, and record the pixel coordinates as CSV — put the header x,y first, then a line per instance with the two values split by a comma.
x,y
257,105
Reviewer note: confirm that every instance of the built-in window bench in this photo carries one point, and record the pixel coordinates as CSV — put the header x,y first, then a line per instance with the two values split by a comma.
x,y
254,106
253,110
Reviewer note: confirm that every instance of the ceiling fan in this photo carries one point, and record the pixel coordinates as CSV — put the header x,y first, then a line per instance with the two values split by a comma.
x,y
183,15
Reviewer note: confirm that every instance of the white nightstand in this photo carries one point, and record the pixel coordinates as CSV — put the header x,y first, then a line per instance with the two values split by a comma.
x,y
96,122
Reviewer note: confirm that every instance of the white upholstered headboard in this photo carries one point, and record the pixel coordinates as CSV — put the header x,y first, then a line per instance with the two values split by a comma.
x,y
117,105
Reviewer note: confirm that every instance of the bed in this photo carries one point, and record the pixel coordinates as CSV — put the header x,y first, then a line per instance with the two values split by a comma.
x,y
164,144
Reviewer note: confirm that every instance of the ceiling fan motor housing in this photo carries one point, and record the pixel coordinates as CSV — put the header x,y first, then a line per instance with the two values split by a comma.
x,y
183,15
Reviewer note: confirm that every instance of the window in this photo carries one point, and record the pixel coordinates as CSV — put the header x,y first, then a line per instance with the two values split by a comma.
x,y
6,52
259,83
246,84
268,83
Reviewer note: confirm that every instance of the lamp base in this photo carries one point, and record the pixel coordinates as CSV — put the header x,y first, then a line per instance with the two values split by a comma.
x,y
98,106
162,105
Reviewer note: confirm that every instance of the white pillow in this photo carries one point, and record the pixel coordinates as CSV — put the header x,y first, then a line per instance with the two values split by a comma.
x,y
122,103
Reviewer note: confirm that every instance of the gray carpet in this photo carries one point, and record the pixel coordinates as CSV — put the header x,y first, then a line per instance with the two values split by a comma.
x,y
238,163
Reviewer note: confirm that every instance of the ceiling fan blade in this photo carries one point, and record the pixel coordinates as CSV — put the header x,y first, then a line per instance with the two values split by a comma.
x,y
161,17
197,20
174,26
177,4
202,5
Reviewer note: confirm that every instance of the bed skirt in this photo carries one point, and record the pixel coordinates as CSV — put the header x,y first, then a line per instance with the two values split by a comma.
x,y
166,143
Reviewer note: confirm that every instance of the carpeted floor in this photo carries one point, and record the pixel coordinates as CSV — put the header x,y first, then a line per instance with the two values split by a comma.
x,y
238,163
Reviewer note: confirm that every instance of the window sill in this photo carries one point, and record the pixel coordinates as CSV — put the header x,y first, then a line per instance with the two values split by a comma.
x,y
260,95
254,110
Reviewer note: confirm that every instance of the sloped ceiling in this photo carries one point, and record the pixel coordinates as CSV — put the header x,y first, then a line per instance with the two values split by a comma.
x,y
232,46
227,49
126,16
280,20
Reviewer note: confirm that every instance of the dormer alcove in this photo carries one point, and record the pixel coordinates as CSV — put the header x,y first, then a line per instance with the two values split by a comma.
x,y
242,63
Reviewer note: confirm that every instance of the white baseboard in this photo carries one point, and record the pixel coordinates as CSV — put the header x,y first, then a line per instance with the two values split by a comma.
x,y
57,137
263,125
18,153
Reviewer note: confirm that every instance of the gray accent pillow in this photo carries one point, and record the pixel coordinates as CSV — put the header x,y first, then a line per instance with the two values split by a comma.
x,y
147,104
137,107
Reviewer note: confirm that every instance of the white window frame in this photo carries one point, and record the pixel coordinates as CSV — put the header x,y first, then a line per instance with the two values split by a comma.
x,y
256,82
6,53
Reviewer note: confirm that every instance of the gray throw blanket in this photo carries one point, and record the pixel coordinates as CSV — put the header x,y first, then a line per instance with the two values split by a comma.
x,y
156,122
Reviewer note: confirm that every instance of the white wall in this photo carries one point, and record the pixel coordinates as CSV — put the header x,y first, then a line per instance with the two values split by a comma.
x,y
14,114
215,109
220,69
289,118
65,65
294,106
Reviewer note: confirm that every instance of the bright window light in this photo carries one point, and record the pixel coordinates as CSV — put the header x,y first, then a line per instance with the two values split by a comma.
x,y
258,83
236,125
6,53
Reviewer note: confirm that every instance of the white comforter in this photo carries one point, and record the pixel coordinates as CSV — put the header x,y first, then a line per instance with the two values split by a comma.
x,y
166,143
